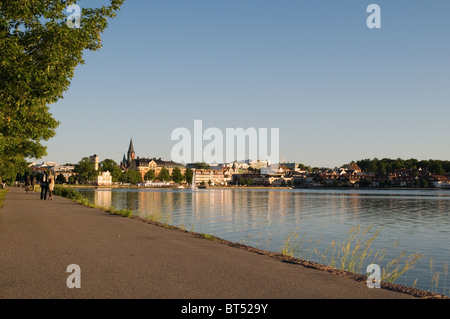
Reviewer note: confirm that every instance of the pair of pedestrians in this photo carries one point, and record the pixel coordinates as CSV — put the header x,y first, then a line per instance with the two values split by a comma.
x,y
30,182
47,185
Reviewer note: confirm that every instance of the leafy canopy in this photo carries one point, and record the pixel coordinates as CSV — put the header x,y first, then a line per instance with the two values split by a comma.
x,y
38,56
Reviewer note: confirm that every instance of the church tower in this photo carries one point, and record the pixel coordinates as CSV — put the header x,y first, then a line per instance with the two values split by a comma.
x,y
131,154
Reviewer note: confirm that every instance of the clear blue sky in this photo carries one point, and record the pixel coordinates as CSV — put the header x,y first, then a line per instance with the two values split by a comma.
x,y
337,90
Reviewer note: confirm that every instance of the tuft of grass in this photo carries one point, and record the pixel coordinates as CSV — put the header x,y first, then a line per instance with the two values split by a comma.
x,y
154,217
123,212
445,278
208,236
399,266
351,254
435,277
69,193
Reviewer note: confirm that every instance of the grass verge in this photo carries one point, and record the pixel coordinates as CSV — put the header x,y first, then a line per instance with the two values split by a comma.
x,y
3,193
80,199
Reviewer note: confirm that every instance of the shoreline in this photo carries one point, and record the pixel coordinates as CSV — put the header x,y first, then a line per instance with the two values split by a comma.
x,y
256,187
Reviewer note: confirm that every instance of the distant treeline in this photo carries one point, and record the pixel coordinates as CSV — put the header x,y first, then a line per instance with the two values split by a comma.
x,y
387,165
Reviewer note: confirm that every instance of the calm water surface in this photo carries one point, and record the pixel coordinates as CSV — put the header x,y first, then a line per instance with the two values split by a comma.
x,y
418,219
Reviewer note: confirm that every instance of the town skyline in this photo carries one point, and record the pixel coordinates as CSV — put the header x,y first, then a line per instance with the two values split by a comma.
x,y
154,172
131,154
125,154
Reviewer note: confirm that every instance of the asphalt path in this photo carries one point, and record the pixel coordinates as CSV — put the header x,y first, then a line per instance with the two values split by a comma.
x,y
126,258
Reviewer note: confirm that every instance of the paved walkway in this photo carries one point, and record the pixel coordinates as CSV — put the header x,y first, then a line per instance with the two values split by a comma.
x,y
126,258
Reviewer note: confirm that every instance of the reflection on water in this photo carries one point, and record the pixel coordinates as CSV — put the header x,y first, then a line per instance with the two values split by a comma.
x,y
419,220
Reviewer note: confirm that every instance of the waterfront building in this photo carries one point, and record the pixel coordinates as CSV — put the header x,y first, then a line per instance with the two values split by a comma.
x,y
439,181
104,179
66,170
144,165
292,166
213,177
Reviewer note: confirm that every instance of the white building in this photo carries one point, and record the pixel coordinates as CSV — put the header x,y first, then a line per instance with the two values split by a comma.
x,y
213,177
104,179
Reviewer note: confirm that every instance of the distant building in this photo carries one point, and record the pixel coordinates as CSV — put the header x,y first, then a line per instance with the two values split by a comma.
x,y
292,166
39,168
144,165
104,179
65,170
94,159
439,181
352,167
213,177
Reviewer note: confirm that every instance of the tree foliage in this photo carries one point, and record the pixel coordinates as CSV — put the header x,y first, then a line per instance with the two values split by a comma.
x,y
177,176
111,166
130,176
188,174
38,57
150,175
60,179
164,175
387,165
85,170
201,166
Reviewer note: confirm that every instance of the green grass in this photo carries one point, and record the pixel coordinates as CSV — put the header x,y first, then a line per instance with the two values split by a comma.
x,y
3,193
68,193
123,212
208,236
80,199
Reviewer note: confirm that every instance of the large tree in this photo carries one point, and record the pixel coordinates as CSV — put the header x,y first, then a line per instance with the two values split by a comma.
x,y
130,176
177,176
111,166
188,175
164,175
150,175
86,170
39,52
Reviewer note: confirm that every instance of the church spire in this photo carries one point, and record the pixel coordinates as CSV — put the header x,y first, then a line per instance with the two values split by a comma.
x,y
131,153
131,148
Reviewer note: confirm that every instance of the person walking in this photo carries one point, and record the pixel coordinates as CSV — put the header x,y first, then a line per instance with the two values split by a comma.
x,y
27,183
33,183
51,186
44,185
